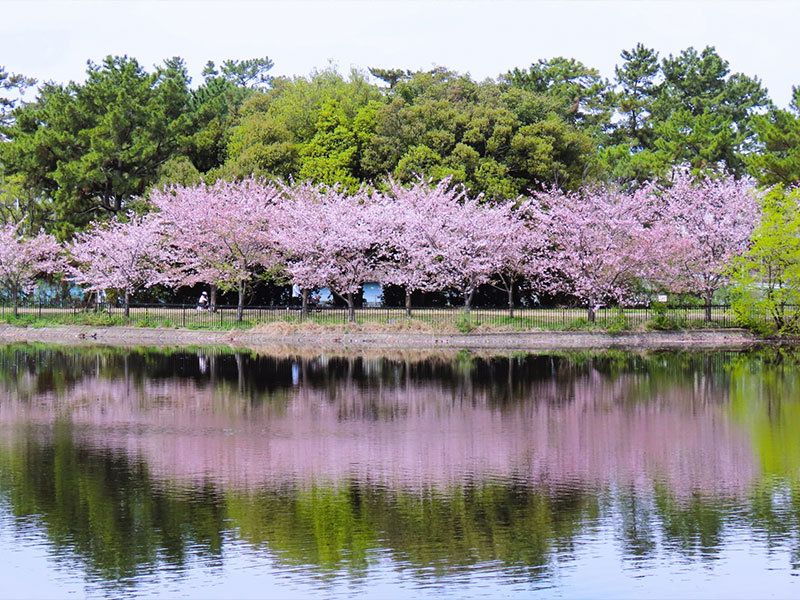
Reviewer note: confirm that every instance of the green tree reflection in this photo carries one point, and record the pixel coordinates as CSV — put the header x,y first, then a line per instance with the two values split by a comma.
x,y
105,508
122,513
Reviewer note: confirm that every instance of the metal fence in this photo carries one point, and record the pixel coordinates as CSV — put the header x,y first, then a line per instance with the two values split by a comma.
x,y
225,316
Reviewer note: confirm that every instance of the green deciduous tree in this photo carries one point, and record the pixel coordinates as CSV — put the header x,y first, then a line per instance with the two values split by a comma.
x,y
315,126
331,156
550,152
767,277
497,139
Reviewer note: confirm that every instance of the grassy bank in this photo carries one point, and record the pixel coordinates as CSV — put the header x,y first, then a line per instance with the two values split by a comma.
x,y
434,320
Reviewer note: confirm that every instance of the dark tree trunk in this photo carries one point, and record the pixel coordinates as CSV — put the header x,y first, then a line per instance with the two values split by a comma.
x,y
709,298
212,305
15,300
351,307
592,314
468,300
304,300
240,306
127,304
511,300
408,303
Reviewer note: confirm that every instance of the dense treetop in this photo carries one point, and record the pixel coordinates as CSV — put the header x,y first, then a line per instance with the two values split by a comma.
x,y
78,152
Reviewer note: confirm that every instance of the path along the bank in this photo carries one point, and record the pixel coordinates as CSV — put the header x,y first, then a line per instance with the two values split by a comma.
x,y
337,340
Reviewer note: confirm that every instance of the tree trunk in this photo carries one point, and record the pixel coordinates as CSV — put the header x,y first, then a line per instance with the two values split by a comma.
x,y
351,307
592,314
408,303
15,300
468,300
511,301
127,304
709,298
212,305
240,306
304,300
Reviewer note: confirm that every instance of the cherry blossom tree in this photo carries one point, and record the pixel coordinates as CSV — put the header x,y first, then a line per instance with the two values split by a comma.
x,y
704,225
521,250
445,239
485,244
219,234
401,229
329,238
121,255
24,259
598,241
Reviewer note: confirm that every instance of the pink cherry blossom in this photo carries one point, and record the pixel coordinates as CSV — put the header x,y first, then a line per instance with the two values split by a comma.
x,y
437,238
329,239
598,241
703,226
23,259
219,234
122,255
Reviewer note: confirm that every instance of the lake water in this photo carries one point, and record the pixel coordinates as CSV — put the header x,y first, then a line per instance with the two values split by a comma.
x,y
210,473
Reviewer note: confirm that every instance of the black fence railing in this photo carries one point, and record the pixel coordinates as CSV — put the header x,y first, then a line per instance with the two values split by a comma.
x,y
226,316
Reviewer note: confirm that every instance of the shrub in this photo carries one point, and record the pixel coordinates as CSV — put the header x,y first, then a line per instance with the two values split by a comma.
x,y
663,321
464,323
580,324
618,323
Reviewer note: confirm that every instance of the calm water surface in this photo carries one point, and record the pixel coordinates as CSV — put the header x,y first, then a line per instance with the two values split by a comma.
x,y
221,474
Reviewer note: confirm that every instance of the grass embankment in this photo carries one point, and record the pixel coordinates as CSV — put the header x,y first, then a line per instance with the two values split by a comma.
x,y
384,320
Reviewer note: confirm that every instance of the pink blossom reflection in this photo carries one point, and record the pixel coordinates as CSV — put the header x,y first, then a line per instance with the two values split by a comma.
x,y
591,430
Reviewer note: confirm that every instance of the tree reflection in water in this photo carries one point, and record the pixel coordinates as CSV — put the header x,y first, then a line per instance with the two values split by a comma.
x,y
135,459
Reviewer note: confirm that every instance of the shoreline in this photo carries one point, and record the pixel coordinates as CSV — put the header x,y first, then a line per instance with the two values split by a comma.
x,y
510,341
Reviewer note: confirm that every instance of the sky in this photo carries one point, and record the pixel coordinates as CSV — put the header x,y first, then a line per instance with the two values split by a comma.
x,y
53,39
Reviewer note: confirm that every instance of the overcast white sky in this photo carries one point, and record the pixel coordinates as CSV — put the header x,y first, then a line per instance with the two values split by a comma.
x,y
53,39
